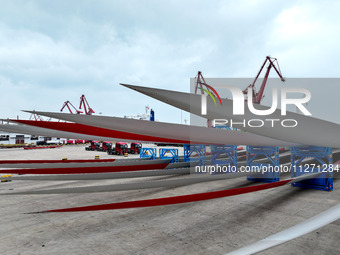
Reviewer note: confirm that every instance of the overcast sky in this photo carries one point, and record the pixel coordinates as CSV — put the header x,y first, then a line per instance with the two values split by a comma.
x,y
53,51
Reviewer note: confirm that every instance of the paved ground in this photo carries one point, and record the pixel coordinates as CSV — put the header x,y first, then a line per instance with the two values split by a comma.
x,y
208,227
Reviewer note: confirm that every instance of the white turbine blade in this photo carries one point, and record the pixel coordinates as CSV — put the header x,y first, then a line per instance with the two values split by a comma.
x,y
171,131
298,230
309,131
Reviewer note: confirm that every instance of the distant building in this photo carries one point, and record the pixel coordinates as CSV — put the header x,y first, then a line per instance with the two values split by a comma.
x,y
15,138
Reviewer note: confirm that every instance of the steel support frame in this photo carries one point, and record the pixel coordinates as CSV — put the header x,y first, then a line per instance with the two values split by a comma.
x,y
323,155
174,152
199,149
150,153
272,154
229,150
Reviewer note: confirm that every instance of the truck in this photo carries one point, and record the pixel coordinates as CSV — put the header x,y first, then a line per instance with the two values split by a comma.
x,y
120,149
106,145
94,146
135,148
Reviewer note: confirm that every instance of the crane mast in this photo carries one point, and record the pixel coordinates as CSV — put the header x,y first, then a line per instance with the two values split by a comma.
x,y
200,82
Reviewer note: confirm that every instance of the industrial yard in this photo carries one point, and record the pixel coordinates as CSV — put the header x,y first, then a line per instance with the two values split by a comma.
x,y
140,186
207,227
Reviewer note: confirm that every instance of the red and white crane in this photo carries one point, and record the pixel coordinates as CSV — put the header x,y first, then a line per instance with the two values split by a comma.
x,y
257,97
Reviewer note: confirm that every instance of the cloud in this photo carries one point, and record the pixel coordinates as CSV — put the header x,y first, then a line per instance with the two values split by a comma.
x,y
62,49
305,38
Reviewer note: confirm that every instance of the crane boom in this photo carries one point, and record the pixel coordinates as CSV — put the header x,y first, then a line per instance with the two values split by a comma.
x,y
257,97
67,104
84,102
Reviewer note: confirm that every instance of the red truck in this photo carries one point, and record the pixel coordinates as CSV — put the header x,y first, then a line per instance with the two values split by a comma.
x,y
135,148
120,149
106,146
94,146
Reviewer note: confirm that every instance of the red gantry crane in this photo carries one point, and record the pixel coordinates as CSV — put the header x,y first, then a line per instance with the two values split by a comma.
x,y
68,104
84,102
257,97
